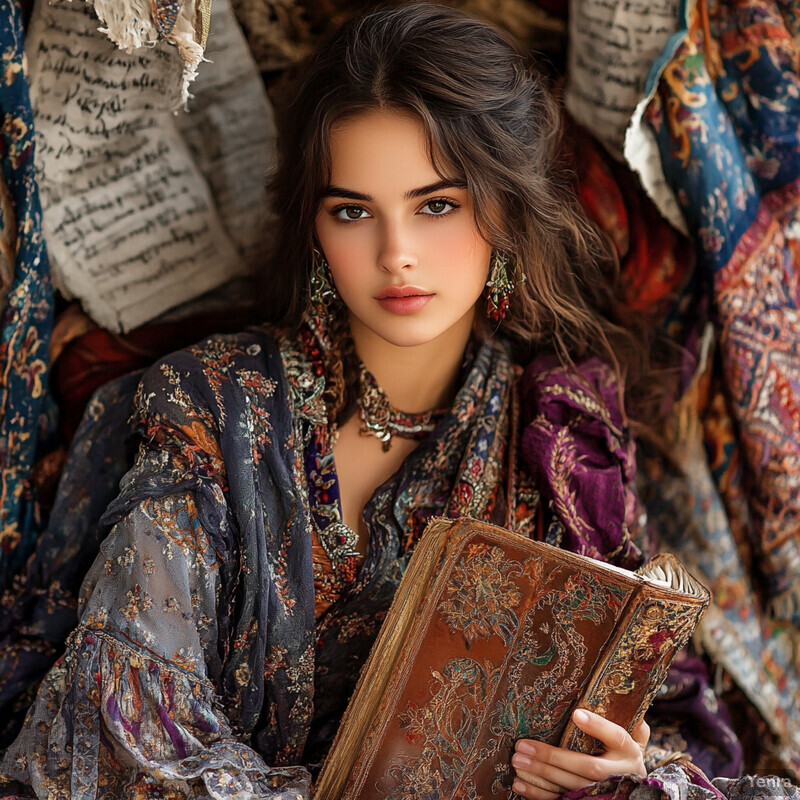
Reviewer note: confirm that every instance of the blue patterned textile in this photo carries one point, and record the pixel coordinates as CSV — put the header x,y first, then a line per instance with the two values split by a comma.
x,y
28,316
726,115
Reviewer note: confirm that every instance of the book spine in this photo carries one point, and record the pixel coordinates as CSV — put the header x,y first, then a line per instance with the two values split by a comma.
x,y
335,779
654,627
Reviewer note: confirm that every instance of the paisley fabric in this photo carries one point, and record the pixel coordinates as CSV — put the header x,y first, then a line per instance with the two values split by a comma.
x,y
684,781
701,514
28,315
672,782
40,607
583,458
656,261
726,116
200,667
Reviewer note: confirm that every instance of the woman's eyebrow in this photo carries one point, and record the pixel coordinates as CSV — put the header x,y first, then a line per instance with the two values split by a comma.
x,y
350,194
435,187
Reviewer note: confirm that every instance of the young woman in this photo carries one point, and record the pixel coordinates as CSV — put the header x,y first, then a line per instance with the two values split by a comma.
x,y
426,249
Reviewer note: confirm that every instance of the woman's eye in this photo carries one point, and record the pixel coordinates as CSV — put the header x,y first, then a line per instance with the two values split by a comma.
x,y
439,208
349,213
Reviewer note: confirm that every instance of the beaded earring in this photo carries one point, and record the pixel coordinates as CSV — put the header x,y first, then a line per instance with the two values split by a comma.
x,y
322,290
500,285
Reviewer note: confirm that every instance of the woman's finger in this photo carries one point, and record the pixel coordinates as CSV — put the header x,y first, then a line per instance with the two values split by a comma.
x,y
616,739
556,779
590,768
641,734
531,790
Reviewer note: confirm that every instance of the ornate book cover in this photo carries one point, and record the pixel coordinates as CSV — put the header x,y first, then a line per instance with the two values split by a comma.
x,y
493,637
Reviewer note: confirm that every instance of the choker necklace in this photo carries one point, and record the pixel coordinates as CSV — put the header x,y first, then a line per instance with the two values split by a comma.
x,y
379,418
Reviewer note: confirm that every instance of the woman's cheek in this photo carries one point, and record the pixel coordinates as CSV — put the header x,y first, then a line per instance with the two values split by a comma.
x,y
347,248
454,245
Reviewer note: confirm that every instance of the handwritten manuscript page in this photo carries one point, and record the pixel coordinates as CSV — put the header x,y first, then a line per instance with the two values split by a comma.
x,y
145,209
617,49
612,45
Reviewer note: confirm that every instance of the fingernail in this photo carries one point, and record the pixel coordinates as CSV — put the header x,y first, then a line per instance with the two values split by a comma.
x,y
527,747
518,787
581,715
520,761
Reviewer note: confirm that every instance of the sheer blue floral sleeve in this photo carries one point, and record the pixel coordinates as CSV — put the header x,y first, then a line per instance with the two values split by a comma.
x,y
192,668
131,708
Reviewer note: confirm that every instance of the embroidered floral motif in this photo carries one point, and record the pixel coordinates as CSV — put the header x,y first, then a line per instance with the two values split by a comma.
x,y
473,708
481,598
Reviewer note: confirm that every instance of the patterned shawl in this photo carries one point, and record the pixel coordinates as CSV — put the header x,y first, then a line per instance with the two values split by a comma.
x,y
28,315
225,420
726,119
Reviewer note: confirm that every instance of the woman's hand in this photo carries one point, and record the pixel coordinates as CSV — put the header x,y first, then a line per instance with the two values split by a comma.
x,y
543,772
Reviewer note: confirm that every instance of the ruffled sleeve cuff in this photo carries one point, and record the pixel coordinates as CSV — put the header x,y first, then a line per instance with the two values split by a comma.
x,y
111,721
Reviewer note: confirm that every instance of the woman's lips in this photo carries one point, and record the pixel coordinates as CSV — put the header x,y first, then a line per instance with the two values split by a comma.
x,y
404,299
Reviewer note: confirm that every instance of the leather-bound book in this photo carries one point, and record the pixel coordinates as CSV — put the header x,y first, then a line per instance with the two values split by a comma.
x,y
491,638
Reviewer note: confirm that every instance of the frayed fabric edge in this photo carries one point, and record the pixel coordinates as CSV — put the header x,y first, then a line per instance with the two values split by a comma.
x,y
130,25
183,36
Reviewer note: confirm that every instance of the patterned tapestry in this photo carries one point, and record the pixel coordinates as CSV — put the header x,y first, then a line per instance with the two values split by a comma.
x,y
726,116
28,314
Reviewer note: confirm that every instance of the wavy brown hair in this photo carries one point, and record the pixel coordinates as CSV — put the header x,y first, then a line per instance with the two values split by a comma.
x,y
491,123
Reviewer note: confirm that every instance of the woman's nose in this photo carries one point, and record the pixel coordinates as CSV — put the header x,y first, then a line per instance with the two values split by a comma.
x,y
397,249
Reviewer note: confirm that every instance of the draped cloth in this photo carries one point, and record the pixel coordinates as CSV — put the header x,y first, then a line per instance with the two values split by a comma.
x,y
27,318
39,609
577,446
726,116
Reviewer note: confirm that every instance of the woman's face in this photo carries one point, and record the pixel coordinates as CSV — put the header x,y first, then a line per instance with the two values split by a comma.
x,y
405,254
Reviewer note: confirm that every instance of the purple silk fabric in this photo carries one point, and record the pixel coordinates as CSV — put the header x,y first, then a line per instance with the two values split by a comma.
x,y
581,455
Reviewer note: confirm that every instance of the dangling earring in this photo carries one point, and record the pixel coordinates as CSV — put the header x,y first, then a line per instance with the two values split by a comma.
x,y
322,290
500,286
